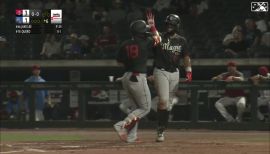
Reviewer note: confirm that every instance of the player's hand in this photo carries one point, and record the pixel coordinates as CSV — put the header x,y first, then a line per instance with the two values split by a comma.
x,y
119,79
255,79
150,18
151,78
214,78
188,76
157,40
229,79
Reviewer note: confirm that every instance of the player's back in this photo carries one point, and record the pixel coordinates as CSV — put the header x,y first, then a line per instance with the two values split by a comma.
x,y
133,54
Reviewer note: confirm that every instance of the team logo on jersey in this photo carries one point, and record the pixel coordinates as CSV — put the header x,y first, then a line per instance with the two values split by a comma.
x,y
175,49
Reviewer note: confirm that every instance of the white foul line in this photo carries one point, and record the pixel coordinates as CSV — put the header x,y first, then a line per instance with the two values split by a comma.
x,y
11,152
30,150
71,146
35,150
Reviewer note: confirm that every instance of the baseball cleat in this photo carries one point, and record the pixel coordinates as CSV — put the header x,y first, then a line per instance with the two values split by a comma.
x,y
121,130
135,140
160,137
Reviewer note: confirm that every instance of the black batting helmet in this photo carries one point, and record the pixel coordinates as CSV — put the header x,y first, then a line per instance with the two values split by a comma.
x,y
173,20
139,27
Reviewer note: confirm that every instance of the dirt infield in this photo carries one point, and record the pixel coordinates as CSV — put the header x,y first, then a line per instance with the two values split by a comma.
x,y
105,141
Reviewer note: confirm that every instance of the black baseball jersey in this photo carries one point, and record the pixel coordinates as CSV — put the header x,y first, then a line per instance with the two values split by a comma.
x,y
168,53
133,54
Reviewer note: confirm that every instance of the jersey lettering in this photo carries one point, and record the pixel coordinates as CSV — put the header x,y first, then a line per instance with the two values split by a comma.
x,y
132,51
176,49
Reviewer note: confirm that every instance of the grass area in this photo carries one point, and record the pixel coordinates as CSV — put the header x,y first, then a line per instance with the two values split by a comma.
x,y
265,138
39,137
254,139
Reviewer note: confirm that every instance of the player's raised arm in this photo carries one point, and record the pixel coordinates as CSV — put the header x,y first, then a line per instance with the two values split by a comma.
x,y
151,22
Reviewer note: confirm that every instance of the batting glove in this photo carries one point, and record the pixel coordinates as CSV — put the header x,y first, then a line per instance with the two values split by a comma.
x,y
189,76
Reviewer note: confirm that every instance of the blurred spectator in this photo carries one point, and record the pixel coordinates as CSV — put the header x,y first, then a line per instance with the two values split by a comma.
x,y
36,4
266,39
99,15
72,48
229,37
5,51
51,47
106,43
261,24
202,6
264,98
237,46
134,13
50,4
232,96
252,34
116,13
86,45
40,95
263,49
161,5
13,105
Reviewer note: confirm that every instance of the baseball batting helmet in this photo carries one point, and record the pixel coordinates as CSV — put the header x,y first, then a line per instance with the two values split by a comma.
x,y
139,27
173,20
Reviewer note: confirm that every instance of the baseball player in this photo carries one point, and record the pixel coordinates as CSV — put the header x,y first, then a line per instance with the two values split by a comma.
x,y
232,96
264,98
40,95
133,56
166,67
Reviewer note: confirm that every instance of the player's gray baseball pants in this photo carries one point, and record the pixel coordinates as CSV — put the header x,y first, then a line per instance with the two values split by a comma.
x,y
138,94
240,103
127,107
166,84
262,101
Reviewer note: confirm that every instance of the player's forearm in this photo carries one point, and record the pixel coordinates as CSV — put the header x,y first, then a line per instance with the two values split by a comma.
x,y
187,63
217,78
237,78
156,38
262,78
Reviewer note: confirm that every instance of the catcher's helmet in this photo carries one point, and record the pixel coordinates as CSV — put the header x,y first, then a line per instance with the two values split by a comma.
x,y
139,27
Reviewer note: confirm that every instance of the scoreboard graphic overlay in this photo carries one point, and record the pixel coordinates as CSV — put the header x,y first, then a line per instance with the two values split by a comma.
x,y
38,21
